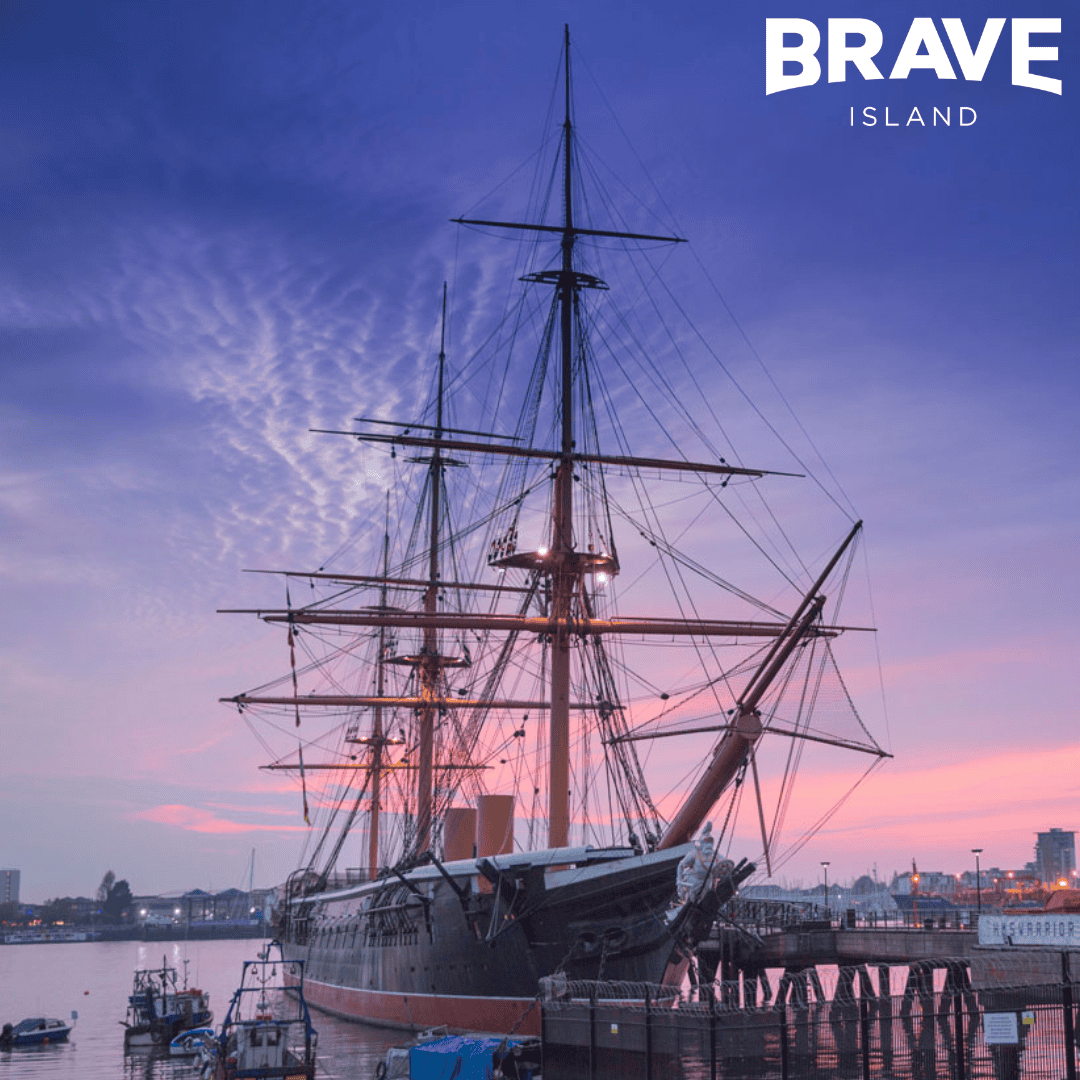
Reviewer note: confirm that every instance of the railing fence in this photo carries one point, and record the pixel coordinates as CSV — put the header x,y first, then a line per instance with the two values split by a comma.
x,y
617,1032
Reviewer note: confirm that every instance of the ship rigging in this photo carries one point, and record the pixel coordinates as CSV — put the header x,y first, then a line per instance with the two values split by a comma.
x,y
489,663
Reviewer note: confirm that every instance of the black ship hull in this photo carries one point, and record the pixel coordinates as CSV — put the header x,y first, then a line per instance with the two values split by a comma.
x,y
466,944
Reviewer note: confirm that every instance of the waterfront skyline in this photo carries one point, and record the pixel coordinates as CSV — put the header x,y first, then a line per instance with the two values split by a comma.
x,y
209,220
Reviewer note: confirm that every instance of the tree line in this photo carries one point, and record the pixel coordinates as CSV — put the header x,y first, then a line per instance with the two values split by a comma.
x,y
112,902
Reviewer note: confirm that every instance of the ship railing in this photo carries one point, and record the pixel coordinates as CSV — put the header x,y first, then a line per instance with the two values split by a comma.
x,y
768,916
343,880
557,988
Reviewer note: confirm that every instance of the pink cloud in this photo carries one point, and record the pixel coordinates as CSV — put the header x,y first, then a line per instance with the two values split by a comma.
x,y
206,744
196,819
933,811
277,811
994,784
945,664
936,813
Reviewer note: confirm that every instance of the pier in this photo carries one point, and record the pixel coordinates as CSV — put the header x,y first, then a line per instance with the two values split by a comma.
x,y
937,1029
792,991
799,939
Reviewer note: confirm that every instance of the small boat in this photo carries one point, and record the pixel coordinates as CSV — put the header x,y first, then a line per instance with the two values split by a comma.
x,y
159,1010
396,1064
36,1031
267,1031
476,1056
190,1043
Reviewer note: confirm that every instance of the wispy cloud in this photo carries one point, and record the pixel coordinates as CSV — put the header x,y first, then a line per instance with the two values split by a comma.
x,y
222,232
201,820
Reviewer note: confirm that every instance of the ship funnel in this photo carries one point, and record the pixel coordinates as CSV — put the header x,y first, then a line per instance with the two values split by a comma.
x,y
494,830
494,825
459,833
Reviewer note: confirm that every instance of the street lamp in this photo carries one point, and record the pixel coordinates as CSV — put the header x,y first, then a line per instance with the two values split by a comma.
x,y
977,851
825,867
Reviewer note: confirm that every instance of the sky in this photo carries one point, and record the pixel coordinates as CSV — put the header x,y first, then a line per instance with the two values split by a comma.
x,y
224,225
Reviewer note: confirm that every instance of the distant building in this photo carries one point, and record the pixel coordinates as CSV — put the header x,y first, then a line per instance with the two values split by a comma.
x,y
9,886
930,883
1055,855
156,910
199,908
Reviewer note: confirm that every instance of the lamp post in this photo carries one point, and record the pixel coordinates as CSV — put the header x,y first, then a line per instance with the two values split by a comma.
x,y
977,851
825,867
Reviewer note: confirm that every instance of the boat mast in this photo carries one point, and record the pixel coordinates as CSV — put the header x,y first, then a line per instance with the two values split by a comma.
x,y
429,653
377,731
563,577
736,746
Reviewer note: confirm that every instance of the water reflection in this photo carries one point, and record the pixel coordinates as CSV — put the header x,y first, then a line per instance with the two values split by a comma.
x,y
95,978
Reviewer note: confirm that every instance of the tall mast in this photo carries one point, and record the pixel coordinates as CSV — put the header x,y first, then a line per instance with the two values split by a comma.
x,y
377,729
563,577
563,565
430,659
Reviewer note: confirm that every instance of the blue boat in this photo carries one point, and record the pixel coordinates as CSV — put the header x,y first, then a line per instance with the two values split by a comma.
x,y
190,1043
35,1031
476,1057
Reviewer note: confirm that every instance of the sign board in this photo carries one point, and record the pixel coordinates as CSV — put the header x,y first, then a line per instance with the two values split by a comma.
x,y
1038,928
1000,1028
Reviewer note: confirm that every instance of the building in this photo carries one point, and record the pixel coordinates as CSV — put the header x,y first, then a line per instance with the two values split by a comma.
x,y
156,910
199,908
9,886
930,883
1055,856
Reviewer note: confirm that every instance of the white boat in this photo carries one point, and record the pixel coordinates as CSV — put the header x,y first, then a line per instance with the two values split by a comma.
x,y
190,1043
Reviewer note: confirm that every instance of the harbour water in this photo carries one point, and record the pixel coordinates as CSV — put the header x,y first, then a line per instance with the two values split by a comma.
x,y
94,978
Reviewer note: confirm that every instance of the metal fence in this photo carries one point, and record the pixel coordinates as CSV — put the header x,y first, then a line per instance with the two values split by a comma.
x,y
764,916
618,1032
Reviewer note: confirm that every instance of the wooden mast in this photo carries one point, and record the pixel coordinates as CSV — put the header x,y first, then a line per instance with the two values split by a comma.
x,y
737,743
377,729
562,540
430,660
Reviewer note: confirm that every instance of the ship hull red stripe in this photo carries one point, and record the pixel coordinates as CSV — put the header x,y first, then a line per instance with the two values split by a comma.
x,y
414,1012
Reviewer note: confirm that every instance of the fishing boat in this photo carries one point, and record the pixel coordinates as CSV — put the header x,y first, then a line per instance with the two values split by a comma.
x,y
472,706
36,1031
267,1031
159,1009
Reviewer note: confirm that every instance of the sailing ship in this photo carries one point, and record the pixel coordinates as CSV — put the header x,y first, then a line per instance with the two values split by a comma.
x,y
488,697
